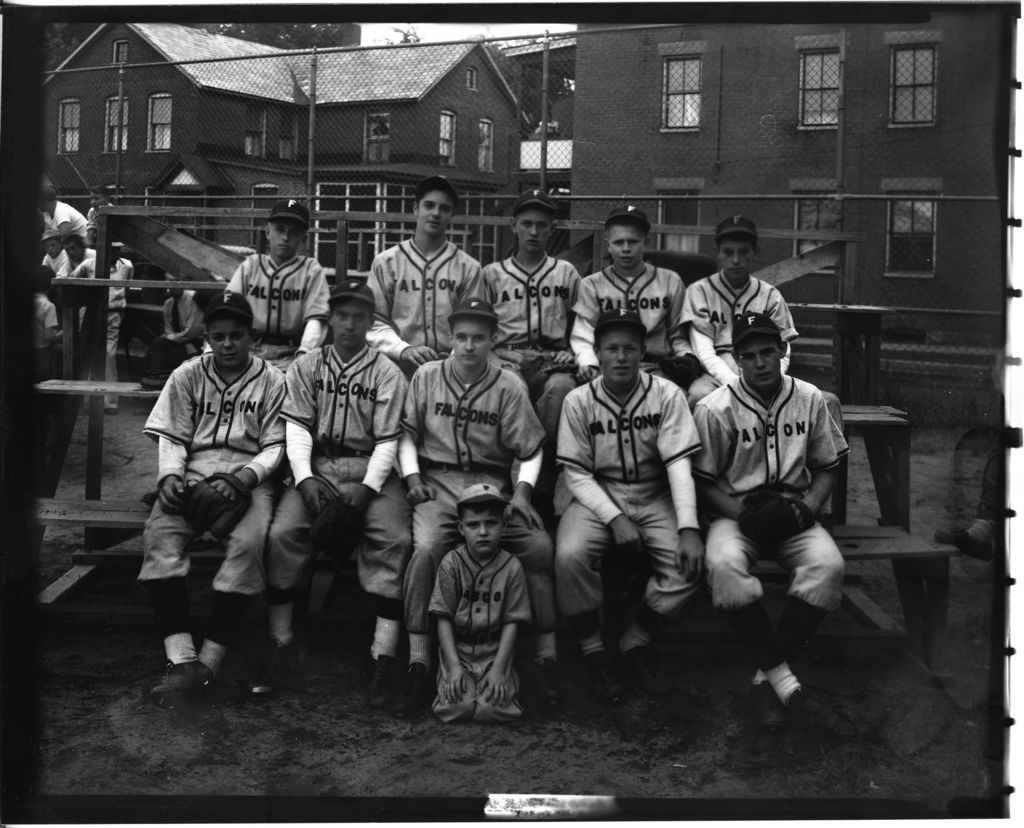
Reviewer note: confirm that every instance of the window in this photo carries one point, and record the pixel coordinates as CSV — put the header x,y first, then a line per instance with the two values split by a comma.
x,y
263,198
471,78
114,106
69,117
485,146
446,145
913,85
680,211
681,104
288,139
256,132
813,212
819,88
911,237
159,123
120,52
377,141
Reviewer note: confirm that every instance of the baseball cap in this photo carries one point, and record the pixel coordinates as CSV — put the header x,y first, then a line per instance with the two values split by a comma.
x,y
101,189
471,308
628,213
228,304
436,182
534,198
747,324
481,493
292,209
51,232
736,226
352,289
619,317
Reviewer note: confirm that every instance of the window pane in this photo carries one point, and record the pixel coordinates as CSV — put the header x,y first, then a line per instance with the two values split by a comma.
x,y
904,69
692,116
812,108
923,103
72,112
812,72
830,70
911,253
161,110
923,65
903,104
829,107
676,75
924,212
691,80
676,112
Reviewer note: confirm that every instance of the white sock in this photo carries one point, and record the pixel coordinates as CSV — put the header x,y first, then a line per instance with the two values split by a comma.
x,y
385,637
419,649
635,636
782,680
759,677
546,649
280,618
592,644
180,648
212,654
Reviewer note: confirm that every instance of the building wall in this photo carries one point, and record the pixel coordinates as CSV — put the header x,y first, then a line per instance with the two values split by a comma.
x,y
748,141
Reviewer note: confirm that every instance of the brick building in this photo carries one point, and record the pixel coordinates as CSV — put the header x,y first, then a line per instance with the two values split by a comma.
x,y
754,108
384,118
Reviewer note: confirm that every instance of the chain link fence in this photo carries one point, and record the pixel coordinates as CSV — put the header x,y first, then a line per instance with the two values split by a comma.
x,y
170,115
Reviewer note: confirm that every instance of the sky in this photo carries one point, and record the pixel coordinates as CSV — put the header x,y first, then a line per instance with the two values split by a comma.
x,y
374,34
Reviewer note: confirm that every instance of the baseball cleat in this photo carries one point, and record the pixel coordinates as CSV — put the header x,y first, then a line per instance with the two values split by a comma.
x,y
382,687
180,680
768,710
981,548
608,686
547,682
643,663
279,661
415,693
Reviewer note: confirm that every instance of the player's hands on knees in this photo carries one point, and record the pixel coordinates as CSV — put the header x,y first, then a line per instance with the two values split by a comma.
x,y
358,497
496,686
519,505
690,554
172,488
626,535
314,494
453,688
587,372
419,354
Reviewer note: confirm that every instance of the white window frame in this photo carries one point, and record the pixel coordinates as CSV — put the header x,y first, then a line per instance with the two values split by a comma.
x,y
63,130
151,124
685,94
260,135
471,78
447,159
383,144
485,145
110,129
113,51
804,90
889,217
933,85
680,242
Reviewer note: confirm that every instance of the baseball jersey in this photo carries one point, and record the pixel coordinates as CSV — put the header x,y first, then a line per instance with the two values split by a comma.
x,y
121,269
352,405
283,297
222,424
480,597
57,263
748,445
415,293
64,212
711,303
630,441
486,425
533,307
656,295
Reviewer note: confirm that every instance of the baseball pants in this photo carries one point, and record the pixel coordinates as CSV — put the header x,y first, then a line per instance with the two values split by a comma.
x,y
166,538
434,532
382,552
472,707
583,540
814,562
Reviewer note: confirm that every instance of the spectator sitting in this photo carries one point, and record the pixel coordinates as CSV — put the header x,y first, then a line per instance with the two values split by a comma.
x,y
45,330
181,339
58,214
99,196
55,258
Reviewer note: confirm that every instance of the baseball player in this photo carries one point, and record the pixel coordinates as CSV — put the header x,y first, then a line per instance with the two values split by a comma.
x,y
75,252
99,196
624,443
218,413
121,269
288,292
59,214
417,283
533,295
766,431
55,258
479,598
342,416
466,421
631,283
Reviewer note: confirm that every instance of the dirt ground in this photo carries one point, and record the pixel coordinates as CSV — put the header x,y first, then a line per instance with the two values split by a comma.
x,y
878,738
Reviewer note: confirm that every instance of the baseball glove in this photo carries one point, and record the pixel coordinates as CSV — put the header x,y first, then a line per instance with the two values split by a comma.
x,y
682,370
769,518
210,511
337,529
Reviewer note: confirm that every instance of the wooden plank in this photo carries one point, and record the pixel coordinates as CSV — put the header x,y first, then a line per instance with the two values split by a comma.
x,y
873,549
796,266
111,514
87,388
173,251
70,580
867,611
133,284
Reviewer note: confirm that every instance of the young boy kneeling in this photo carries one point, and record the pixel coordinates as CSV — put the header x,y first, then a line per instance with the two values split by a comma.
x,y
479,597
